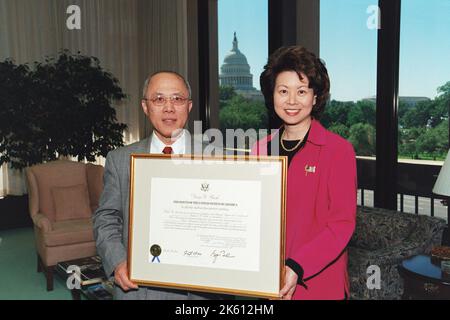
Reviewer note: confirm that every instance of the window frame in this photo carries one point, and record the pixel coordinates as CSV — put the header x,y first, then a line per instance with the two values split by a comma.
x,y
305,15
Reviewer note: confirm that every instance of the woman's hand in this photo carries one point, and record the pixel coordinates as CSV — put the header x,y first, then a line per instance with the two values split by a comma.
x,y
290,283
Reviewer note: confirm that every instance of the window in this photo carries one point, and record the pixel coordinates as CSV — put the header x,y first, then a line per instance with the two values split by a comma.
x,y
348,45
424,84
424,95
243,52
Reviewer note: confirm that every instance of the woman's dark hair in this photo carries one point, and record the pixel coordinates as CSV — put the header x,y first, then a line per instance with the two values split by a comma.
x,y
302,61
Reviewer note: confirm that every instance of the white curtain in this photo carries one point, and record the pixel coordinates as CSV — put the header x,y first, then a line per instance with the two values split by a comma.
x,y
131,38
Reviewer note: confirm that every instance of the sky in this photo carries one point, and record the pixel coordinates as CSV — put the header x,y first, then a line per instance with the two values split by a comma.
x,y
249,18
349,47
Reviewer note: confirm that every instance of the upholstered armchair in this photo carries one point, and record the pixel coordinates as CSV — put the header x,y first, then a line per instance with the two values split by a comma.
x,y
62,198
385,238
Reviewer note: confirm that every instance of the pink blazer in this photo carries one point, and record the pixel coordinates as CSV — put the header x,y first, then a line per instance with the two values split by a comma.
x,y
321,211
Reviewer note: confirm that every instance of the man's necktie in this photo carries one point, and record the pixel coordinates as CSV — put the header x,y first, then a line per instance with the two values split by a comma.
x,y
167,150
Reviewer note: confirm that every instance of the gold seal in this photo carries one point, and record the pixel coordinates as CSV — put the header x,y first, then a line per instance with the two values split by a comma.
x,y
155,250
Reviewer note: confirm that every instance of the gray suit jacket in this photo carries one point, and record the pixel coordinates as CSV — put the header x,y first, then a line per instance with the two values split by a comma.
x,y
111,219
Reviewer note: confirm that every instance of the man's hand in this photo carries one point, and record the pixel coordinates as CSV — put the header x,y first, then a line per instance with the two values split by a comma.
x,y
121,277
290,283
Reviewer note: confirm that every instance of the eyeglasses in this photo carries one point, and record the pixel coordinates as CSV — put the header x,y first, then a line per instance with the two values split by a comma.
x,y
160,100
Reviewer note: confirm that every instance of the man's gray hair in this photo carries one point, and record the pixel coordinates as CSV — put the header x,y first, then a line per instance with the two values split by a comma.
x,y
150,76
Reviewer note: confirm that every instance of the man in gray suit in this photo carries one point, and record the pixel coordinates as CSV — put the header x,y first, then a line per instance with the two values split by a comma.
x,y
166,103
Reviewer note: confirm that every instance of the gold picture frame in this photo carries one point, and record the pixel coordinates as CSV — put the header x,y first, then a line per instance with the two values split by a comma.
x,y
213,224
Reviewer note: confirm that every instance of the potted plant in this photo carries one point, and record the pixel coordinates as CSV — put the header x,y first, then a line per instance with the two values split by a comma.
x,y
60,107
63,107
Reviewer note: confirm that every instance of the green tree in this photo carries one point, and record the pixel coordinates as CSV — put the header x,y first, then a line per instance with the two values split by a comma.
x,y
419,116
241,113
424,127
21,138
341,130
444,91
226,93
442,104
63,107
407,142
362,136
336,112
362,112
403,108
434,141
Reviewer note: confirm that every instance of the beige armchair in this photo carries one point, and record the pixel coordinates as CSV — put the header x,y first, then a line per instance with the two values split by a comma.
x,y
62,198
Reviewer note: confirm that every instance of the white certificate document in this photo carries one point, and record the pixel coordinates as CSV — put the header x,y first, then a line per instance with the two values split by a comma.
x,y
205,223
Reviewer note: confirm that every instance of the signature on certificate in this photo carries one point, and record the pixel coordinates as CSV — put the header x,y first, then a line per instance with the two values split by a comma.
x,y
192,253
220,253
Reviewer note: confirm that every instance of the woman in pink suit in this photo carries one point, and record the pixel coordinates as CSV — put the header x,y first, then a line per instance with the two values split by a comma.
x,y
321,183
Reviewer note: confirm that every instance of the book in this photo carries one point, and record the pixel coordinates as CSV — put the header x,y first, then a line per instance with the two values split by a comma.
x,y
99,291
91,270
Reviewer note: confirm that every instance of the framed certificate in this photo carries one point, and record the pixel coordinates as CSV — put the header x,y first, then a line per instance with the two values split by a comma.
x,y
208,223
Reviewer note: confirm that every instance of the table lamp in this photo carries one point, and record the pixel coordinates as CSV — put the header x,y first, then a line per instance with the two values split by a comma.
x,y
442,187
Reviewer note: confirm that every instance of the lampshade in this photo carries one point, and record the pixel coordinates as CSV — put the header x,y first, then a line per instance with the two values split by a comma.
x,y
442,185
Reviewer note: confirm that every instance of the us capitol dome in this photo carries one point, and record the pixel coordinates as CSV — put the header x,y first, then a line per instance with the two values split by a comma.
x,y
235,72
